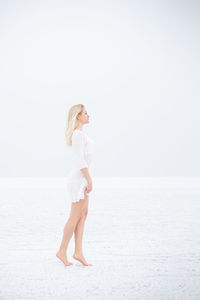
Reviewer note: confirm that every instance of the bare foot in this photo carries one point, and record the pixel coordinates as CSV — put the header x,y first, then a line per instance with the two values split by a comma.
x,y
81,258
63,258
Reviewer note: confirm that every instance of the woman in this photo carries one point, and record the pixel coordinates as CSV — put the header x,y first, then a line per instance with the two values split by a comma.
x,y
79,183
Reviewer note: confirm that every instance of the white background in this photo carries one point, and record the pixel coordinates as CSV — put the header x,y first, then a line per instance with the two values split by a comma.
x,y
133,64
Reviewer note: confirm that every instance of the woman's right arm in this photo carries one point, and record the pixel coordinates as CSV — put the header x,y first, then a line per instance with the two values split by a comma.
x,y
78,147
88,178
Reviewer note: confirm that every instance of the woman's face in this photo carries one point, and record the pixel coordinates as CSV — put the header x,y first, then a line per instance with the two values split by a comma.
x,y
84,117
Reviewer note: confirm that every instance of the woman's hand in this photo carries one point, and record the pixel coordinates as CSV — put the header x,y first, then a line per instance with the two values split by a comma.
x,y
89,187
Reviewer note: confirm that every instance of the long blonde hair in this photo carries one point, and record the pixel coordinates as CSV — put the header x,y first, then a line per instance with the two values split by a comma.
x,y
72,122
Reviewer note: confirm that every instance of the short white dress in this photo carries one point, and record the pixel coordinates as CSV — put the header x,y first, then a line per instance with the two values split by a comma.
x,y
82,148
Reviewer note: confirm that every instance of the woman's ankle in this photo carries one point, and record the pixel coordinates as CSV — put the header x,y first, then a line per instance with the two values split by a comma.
x,y
62,250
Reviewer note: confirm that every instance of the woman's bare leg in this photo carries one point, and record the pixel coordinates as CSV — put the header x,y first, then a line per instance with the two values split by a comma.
x,y
78,232
76,210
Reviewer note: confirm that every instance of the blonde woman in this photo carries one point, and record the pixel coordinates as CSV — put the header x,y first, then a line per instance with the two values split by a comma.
x,y
79,183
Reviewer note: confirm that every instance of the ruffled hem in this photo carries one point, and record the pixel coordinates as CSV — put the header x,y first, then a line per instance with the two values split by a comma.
x,y
75,195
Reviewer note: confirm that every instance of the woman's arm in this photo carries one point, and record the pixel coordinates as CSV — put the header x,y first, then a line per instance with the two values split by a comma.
x,y
78,147
88,178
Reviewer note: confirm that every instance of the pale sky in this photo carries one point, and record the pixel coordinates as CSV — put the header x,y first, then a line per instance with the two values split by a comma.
x,y
133,64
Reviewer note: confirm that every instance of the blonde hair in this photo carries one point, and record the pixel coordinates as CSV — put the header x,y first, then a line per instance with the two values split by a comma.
x,y
72,122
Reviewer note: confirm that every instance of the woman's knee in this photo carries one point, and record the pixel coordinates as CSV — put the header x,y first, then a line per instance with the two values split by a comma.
x,y
73,219
84,213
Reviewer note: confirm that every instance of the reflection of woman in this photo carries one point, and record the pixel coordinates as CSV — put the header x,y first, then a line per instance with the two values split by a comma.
x,y
79,183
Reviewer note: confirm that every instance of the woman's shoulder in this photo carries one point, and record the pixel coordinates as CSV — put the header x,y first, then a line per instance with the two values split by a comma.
x,y
82,134
78,134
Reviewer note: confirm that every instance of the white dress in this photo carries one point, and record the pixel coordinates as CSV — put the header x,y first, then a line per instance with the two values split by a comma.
x,y
82,148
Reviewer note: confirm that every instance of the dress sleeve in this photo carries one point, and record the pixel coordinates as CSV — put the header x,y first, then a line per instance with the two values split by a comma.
x,y
78,148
